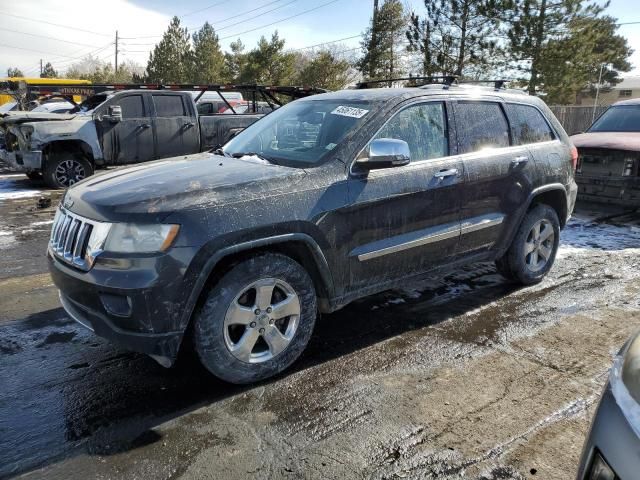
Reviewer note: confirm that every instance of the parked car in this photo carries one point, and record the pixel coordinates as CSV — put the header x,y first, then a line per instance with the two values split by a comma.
x,y
611,449
117,128
323,201
609,156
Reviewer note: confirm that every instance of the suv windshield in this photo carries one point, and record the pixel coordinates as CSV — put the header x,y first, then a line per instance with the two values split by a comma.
x,y
300,134
623,118
90,103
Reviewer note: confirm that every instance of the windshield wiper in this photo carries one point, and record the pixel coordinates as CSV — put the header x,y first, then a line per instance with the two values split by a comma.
x,y
220,151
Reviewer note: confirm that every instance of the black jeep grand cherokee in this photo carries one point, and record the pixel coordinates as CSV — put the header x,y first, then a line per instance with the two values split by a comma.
x,y
323,201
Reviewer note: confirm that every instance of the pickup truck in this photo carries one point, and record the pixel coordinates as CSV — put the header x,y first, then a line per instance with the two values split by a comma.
x,y
115,128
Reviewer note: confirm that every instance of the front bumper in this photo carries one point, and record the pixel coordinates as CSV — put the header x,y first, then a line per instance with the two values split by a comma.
x,y
614,438
22,161
136,303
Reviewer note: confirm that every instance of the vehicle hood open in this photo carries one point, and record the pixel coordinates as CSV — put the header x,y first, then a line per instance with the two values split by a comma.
x,y
22,117
611,140
153,190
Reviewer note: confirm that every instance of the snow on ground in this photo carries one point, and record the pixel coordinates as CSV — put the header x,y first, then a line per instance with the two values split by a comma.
x,y
9,190
583,235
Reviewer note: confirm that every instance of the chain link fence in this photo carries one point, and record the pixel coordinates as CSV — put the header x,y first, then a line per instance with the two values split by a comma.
x,y
576,118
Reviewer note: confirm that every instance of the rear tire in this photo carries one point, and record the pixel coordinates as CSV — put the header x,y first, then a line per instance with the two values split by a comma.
x,y
63,171
257,320
533,249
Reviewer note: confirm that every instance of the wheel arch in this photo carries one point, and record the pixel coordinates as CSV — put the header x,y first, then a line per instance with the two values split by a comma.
x,y
553,195
298,246
72,145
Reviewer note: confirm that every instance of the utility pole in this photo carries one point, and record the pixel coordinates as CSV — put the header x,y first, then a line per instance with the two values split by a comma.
x,y
116,51
595,102
40,67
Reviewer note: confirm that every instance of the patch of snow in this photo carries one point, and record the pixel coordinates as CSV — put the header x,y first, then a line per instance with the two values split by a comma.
x,y
7,240
9,191
40,224
583,236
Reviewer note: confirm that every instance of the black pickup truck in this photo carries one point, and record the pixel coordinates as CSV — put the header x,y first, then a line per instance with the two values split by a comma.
x,y
125,124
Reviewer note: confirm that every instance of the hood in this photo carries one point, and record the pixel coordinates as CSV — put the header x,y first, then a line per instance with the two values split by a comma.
x,y
154,190
611,140
22,117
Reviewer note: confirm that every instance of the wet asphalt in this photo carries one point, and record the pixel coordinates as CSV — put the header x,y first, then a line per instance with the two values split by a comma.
x,y
464,376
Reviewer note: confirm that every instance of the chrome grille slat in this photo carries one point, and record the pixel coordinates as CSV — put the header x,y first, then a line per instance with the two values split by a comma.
x,y
70,235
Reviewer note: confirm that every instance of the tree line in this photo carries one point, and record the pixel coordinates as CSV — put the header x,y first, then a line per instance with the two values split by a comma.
x,y
555,48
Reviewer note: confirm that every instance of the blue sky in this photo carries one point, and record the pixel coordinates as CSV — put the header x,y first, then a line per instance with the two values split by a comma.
x,y
74,28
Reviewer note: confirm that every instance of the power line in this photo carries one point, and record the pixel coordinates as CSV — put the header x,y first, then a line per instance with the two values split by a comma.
x,y
279,21
205,8
54,24
50,38
33,50
328,43
250,11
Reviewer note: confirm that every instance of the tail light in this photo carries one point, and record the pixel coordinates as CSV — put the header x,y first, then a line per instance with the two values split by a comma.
x,y
574,157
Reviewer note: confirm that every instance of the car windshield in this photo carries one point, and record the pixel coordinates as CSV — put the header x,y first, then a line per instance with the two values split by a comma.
x,y
623,118
300,134
90,103
7,107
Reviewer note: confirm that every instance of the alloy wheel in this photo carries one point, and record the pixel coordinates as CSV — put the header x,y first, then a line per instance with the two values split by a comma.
x,y
69,172
539,245
262,320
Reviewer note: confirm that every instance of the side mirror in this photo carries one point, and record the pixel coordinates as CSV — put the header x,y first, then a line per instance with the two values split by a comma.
x,y
115,113
385,153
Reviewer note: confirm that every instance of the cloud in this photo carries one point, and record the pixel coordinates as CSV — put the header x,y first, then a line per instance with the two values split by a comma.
x,y
93,23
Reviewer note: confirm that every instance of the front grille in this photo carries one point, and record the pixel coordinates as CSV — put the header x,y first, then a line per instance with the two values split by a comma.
x,y
70,236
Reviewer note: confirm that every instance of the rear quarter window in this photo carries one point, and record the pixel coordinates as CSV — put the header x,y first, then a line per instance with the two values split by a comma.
x,y
528,124
169,106
480,125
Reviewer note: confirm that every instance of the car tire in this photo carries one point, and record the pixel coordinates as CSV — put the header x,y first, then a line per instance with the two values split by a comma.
x,y
63,171
256,320
534,247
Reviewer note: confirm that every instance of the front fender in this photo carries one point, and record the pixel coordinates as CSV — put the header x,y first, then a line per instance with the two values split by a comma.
x,y
203,270
77,130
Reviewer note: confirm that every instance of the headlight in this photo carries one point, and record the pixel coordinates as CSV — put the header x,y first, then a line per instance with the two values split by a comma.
x,y
132,238
625,382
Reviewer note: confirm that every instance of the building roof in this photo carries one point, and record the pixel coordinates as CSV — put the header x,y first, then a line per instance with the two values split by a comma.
x,y
628,83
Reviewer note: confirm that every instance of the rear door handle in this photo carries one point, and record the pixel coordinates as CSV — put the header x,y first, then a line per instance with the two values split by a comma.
x,y
189,125
144,126
519,160
452,172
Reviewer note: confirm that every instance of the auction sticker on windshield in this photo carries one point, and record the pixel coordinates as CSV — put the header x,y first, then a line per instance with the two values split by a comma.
x,y
350,111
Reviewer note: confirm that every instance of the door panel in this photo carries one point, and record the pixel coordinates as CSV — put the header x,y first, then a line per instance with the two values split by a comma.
x,y
176,128
497,175
129,140
405,220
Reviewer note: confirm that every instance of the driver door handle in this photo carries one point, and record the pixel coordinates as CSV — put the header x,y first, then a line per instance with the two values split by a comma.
x,y
452,172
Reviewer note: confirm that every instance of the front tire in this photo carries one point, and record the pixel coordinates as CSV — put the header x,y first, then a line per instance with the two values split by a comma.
x,y
257,320
534,248
63,171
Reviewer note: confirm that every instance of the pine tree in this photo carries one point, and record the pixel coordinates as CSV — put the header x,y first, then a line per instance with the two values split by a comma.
x,y
382,41
48,71
268,63
14,72
172,58
453,37
529,25
572,64
234,62
325,69
208,59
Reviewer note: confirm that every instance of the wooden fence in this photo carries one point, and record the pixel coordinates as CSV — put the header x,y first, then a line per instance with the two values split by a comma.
x,y
576,118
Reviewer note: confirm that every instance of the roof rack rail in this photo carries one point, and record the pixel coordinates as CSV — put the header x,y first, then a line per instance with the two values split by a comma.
x,y
446,80
498,84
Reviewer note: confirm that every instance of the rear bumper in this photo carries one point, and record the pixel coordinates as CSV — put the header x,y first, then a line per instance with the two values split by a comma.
x,y
618,190
137,303
614,438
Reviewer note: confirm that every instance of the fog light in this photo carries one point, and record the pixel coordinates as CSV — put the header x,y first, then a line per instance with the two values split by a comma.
x,y
600,470
118,305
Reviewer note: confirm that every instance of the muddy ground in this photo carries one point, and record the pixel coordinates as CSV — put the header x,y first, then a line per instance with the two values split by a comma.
x,y
461,377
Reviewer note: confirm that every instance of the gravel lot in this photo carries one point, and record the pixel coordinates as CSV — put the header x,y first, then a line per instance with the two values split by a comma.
x,y
459,377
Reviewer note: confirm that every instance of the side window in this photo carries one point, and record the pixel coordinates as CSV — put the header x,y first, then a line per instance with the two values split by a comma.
x,y
169,106
423,127
481,125
205,108
529,126
132,106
